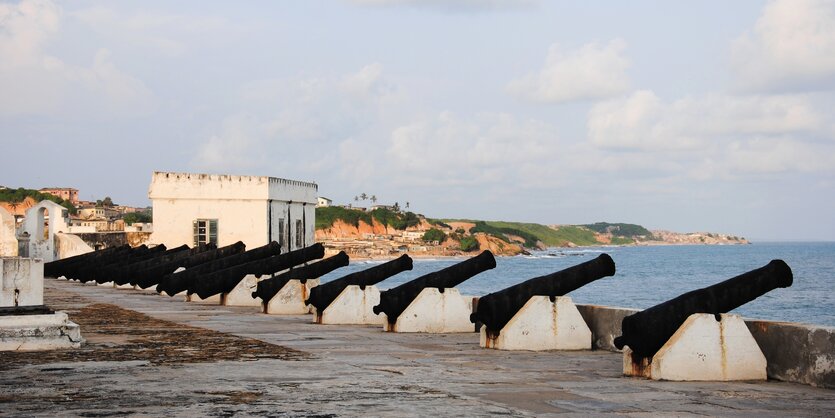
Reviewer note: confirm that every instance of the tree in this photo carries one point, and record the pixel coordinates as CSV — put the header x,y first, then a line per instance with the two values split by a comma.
x,y
373,199
407,204
356,198
468,244
396,207
107,202
434,235
364,196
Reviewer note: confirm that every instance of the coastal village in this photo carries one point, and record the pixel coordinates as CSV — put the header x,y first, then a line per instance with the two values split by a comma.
x,y
376,231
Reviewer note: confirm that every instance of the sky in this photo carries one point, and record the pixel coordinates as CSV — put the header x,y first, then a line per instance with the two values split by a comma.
x,y
709,116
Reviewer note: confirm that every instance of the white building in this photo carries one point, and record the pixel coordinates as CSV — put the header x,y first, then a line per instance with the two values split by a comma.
x,y
223,209
323,202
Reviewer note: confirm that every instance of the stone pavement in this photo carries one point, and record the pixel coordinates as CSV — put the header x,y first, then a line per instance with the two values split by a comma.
x,y
349,371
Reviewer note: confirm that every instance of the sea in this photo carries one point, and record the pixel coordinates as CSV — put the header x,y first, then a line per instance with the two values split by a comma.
x,y
648,275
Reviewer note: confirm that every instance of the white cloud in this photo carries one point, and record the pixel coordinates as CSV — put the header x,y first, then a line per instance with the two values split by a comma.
x,y
484,149
34,82
714,135
235,147
643,121
594,71
792,47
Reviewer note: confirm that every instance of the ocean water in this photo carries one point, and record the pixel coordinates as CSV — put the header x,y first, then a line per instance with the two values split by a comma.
x,y
647,276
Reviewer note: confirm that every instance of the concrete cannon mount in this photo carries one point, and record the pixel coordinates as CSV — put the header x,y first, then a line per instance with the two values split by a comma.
x,y
347,371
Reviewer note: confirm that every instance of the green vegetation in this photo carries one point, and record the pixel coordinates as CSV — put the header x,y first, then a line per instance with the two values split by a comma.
x,y
132,218
468,243
616,240
434,235
326,216
437,222
396,220
20,194
620,229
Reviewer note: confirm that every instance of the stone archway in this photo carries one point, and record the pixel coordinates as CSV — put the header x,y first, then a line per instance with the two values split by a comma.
x,y
42,232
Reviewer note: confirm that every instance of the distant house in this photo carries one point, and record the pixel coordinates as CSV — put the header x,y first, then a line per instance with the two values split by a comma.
x,y
413,235
387,207
67,193
223,209
323,202
97,213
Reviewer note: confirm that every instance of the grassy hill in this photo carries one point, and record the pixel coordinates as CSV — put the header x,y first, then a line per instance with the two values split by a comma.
x,y
20,194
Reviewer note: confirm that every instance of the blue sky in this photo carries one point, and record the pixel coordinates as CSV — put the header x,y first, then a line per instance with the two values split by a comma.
x,y
687,116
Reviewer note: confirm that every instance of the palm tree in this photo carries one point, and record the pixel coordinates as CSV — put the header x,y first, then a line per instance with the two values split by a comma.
x,y
374,199
407,204
364,196
356,198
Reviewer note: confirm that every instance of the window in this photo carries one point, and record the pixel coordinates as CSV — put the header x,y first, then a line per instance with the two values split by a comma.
x,y
299,234
205,231
281,240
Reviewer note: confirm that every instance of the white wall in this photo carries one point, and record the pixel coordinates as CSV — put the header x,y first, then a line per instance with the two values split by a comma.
x,y
248,208
8,242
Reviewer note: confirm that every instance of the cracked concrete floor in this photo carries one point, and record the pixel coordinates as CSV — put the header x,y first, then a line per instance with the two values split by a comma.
x,y
203,360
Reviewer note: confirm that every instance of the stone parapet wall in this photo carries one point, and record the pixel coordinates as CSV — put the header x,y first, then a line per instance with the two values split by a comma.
x,y
795,352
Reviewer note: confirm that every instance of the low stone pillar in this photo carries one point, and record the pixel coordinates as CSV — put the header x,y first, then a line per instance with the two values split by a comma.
x,y
290,300
541,324
703,349
352,307
241,295
435,312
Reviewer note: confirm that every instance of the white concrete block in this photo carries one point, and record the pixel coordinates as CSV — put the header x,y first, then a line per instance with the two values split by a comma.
x,y
703,349
542,325
435,312
214,299
21,281
38,332
290,299
124,286
241,295
352,307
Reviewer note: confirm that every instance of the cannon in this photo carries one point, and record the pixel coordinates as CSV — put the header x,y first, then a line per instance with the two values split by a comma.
x,y
56,268
223,281
267,288
321,296
129,273
71,270
394,301
178,282
647,331
90,272
120,273
153,275
496,309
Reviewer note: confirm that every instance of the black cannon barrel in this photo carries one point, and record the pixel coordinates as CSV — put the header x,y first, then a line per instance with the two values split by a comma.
x,y
496,309
153,275
323,295
223,281
132,271
177,282
88,272
120,273
103,274
647,331
54,268
267,288
71,270
394,301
